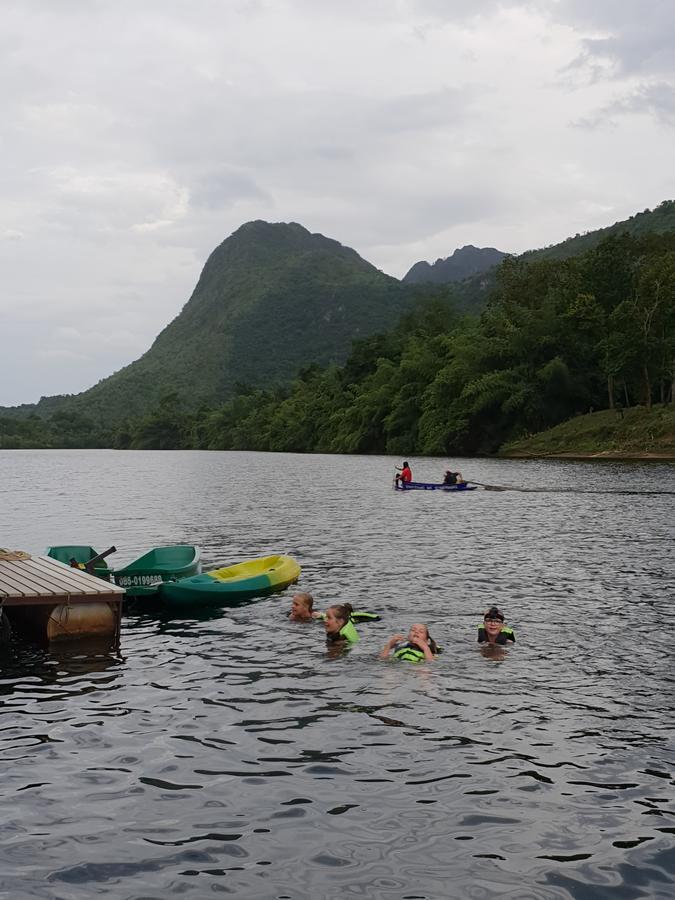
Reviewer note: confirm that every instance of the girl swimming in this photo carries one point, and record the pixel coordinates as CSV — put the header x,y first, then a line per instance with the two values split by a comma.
x,y
338,624
418,647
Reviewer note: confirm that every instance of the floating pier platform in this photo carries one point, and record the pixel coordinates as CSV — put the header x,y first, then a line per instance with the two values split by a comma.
x,y
54,601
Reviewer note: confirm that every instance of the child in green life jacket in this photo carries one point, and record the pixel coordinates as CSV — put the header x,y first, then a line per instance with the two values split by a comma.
x,y
418,647
339,626
494,630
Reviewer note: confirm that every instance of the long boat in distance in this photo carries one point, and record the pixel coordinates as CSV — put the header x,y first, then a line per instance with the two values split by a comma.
x,y
433,486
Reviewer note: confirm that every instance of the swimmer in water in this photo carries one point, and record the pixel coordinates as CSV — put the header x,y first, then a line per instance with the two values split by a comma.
x,y
419,646
493,630
302,608
339,626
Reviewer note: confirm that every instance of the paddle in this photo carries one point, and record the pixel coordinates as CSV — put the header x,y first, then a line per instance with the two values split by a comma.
x,y
90,565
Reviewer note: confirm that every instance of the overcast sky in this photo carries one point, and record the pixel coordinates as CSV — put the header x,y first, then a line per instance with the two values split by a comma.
x,y
138,134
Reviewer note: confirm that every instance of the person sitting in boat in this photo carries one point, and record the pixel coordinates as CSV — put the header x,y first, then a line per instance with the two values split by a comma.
x,y
302,608
404,474
493,630
339,626
451,477
419,646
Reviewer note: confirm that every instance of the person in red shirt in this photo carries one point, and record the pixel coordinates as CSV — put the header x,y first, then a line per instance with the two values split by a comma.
x,y
406,473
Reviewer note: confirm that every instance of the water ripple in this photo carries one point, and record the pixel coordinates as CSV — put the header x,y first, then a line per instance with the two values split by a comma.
x,y
225,751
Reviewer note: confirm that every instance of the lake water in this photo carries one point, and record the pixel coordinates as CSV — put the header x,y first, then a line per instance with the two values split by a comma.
x,y
228,754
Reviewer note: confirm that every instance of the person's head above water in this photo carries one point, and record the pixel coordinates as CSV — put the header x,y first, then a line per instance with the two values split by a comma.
x,y
337,617
302,605
494,629
493,622
493,614
420,632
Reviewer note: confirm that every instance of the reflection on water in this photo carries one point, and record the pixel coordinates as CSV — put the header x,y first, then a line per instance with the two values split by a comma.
x,y
226,751
493,651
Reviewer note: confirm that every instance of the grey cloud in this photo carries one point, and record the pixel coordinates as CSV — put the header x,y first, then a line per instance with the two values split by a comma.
x,y
422,111
634,37
640,53
285,128
402,11
631,42
461,11
417,214
331,152
656,99
343,148
220,189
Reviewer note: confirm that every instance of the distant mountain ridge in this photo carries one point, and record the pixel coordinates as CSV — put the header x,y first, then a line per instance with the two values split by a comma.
x,y
463,263
468,262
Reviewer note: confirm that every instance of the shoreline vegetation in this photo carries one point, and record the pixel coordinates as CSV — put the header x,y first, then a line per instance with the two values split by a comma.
x,y
620,434
632,434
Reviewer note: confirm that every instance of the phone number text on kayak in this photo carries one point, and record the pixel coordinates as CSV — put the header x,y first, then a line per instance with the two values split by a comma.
x,y
137,580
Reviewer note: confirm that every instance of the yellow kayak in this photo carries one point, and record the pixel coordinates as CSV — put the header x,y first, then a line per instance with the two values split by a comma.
x,y
233,584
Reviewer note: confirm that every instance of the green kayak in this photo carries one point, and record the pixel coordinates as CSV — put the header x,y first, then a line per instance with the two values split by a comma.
x,y
142,577
80,555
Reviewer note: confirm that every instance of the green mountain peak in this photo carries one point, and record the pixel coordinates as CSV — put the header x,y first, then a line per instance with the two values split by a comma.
x,y
271,299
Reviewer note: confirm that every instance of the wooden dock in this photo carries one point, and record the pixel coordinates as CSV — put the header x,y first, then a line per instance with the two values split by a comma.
x,y
57,601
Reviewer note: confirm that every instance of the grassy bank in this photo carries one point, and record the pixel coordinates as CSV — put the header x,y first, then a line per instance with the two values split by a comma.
x,y
635,433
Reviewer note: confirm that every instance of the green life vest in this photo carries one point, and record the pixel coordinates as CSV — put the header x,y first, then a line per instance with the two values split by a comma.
x,y
504,636
410,653
364,617
349,633
357,616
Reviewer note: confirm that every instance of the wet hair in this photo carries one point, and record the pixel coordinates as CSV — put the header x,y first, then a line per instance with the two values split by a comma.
x,y
494,613
343,611
405,464
306,598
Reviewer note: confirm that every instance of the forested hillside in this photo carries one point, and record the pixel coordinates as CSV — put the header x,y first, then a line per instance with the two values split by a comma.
x,y
652,221
558,338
